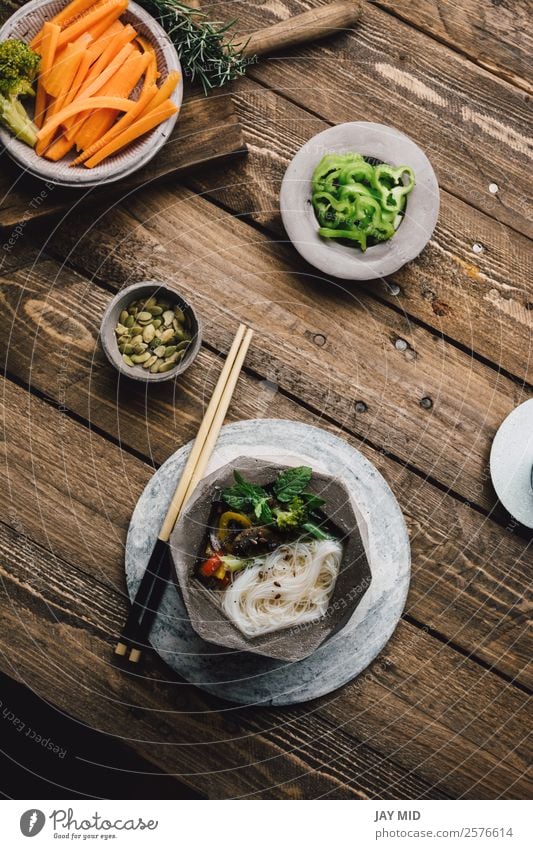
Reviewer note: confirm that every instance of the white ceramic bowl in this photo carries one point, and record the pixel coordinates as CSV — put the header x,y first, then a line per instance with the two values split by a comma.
x,y
26,23
345,261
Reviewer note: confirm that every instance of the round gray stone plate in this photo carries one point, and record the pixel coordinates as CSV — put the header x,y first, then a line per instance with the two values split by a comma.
x,y
25,24
345,261
511,462
247,678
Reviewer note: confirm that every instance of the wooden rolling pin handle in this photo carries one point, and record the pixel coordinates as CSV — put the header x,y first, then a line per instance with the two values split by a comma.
x,y
309,26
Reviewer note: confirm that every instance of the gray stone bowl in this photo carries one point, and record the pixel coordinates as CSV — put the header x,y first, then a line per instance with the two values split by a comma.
x,y
110,318
24,24
343,261
204,606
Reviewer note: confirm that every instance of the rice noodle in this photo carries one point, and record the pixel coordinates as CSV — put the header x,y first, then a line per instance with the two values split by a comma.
x,y
290,586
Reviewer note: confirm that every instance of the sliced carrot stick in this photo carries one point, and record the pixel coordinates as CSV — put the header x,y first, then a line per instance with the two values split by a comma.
x,y
84,23
59,149
100,26
147,95
120,85
104,102
94,87
99,44
70,11
164,92
48,49
137,129
124,36
152,73
79,78
64,69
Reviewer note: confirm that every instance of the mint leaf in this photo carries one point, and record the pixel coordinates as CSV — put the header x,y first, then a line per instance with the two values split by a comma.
x,y
292,482
312,502
248,496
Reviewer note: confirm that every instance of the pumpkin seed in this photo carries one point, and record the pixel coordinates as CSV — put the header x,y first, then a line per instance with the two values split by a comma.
x,y
168,317
130,321
155,311
182,346
144,316
169,351
155,367
160,351
157,323
140,358
150,302
180,315
120,330
127,360
167,335
149,362
128,349
149,333
136,330
166,366
173,357
124,315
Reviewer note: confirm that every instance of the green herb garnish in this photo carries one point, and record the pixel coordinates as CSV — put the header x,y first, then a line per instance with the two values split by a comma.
x,y
206,50
292,482
244,496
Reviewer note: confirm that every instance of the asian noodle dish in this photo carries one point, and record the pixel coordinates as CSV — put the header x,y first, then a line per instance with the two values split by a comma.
x,y
272,551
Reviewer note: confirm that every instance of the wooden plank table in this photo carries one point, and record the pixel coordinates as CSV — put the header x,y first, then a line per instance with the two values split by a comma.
x,y
442,712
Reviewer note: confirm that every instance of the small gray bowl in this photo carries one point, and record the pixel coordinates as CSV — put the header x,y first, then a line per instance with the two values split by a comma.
x,y
110,318
24,24
349,263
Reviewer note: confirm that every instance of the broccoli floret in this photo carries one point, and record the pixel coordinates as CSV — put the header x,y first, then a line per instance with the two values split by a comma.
x,y
293,516
18,68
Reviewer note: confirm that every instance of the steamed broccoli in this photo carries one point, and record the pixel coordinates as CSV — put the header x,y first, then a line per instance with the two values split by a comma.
x,y
294,514
18,69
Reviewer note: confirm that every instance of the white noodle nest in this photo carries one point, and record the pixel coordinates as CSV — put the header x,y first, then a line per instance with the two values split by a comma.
x,y
289,587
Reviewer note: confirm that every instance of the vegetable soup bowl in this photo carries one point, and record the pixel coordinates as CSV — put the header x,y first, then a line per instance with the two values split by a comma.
x,y
24,24
376,142
204,605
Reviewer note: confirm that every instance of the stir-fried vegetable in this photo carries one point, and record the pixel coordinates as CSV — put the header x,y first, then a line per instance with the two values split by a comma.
x,y
357,201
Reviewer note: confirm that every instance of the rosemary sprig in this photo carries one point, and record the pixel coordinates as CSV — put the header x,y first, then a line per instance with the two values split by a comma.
x,y
208,54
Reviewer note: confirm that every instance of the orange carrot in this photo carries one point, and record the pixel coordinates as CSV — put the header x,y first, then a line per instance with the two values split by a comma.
x,y
120,85
164,91
113,48
137,129
70,11
97,29
99,44
79,78
84,23
48,49
64,69
94,87
59,149
147,95
104,102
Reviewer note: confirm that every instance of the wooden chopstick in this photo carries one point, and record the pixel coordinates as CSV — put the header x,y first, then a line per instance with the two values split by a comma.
x,y
159,569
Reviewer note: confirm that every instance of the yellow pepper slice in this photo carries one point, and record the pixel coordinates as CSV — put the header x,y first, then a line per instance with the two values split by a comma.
x,y
226,518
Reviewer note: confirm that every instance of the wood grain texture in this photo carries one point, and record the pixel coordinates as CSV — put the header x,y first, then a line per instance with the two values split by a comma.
x,y
481,300
465,738
474,127
322,342
468,573
495,35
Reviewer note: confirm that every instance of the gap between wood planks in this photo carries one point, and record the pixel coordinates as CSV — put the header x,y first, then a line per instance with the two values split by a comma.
x,y
500,71
372,293
128,448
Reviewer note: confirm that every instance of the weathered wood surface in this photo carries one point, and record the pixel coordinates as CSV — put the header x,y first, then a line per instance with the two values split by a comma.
x,y
461,589
480,300
474,127
442,712
421,706
321,343
496,35
207,131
